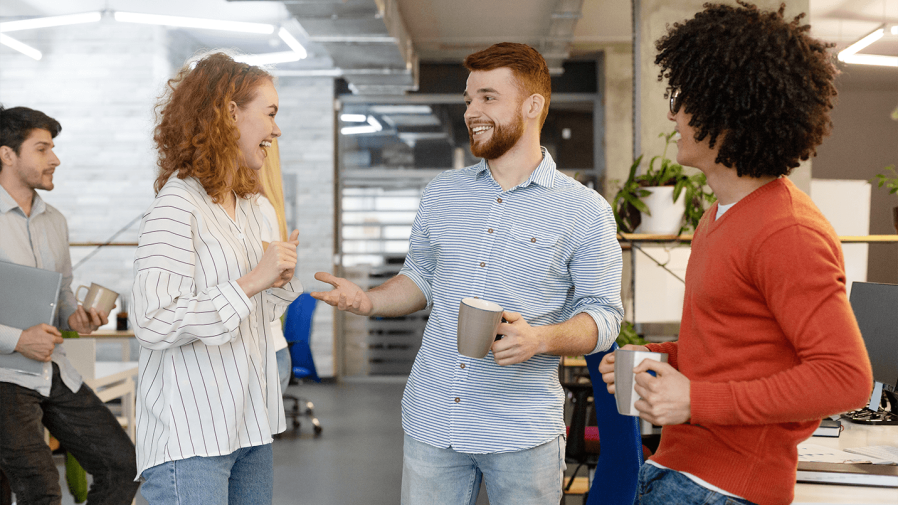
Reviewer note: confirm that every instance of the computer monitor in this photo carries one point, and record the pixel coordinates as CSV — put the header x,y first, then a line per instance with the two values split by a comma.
x,y
876,309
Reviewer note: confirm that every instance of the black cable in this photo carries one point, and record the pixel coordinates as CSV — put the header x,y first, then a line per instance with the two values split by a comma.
x,y
116,234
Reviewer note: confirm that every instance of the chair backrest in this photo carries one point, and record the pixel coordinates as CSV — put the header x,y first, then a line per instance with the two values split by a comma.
x,y
297,331
621,456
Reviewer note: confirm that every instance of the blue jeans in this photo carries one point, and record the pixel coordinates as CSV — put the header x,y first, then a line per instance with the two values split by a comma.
x,y
433,476
244,477
285,366
660,486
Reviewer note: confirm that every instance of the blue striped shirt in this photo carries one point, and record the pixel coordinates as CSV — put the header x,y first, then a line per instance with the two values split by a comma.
x,y
546,248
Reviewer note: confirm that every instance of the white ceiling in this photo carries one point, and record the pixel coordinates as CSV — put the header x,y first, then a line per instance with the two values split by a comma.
x,y
449,29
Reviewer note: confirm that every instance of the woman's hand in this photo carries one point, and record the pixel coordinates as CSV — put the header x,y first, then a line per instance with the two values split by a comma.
x,y
274,269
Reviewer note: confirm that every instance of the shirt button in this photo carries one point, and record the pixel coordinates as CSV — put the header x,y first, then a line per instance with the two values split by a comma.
x,y
533,240
462,366
482,264
499,200
490,230
457,400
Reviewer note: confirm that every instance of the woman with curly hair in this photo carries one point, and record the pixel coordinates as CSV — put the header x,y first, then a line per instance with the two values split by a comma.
x,y
768,342
205,292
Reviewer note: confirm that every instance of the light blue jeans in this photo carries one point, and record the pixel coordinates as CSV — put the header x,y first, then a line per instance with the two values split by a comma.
x,y
244,477
433,476
661,486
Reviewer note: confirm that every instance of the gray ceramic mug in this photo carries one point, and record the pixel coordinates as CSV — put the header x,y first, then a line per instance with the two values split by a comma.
x,y
97,297
478,322
625,360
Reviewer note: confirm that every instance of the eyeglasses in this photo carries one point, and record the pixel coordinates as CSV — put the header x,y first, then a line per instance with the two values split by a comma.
x,y
675,101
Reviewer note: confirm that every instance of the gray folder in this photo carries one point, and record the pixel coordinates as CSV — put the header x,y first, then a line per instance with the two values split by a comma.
x,y
28,296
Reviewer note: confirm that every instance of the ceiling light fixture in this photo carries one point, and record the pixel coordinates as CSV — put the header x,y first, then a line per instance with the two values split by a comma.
x,y
291,42
268,58
182,22
25,49
71,19
373,126
353,118
850,54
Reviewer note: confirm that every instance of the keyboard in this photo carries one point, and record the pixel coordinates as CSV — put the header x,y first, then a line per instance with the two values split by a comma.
x,y
886,452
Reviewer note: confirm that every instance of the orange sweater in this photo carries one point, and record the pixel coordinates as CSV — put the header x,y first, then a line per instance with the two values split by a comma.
x,y
768,341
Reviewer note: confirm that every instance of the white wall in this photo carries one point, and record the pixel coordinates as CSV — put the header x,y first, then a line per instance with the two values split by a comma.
x,y
100,81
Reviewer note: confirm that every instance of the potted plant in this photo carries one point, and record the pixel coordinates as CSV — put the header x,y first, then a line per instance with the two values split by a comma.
x,y
656,195
892,184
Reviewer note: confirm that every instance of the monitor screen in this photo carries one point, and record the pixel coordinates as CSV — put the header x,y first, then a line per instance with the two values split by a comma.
x,y
876,309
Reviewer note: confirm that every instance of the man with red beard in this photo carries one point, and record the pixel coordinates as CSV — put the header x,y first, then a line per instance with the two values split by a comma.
x,y
514,231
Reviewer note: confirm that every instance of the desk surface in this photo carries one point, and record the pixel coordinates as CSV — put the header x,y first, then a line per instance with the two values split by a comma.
x,y
854,435
110,334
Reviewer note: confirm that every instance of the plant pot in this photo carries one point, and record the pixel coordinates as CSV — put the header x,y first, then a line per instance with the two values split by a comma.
x,y
895,218
667,215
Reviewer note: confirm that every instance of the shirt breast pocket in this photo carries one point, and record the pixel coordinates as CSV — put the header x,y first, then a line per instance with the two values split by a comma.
x,y
529,256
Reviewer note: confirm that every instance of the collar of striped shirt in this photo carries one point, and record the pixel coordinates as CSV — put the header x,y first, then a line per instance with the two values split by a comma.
x,y
544,175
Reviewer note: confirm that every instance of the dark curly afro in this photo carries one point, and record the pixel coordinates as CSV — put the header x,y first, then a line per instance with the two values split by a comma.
x,y
757,83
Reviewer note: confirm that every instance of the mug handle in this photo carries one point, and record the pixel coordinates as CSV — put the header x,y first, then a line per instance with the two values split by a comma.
x,y
76,294
499,337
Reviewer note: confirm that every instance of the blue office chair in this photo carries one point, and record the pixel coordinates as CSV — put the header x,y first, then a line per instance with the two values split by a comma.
x,y
621,455
297,331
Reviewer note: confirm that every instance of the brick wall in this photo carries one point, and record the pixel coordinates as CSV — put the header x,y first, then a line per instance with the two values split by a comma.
x,y
101,81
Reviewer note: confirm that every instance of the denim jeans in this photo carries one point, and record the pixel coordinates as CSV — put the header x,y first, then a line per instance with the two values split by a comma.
x,y
433,476
244,477
83,425
285,367
662,486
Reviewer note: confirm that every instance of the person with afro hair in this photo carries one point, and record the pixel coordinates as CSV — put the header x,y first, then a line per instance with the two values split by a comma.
x,y
768,343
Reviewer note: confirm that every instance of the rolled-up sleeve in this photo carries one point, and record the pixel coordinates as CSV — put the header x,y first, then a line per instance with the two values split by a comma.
x,y
596,272
168,310
420,262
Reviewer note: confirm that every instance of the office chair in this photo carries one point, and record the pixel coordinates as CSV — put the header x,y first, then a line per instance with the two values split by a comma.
x,y
297,331
616,457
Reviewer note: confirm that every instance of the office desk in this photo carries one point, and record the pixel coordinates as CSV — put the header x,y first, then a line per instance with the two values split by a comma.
x,y
854,435
122,338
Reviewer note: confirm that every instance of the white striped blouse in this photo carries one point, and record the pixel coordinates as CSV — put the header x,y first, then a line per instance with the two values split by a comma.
x,y
208,382
546,248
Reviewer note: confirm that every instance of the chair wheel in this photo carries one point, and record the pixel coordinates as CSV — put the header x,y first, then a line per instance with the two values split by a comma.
x,y
318,430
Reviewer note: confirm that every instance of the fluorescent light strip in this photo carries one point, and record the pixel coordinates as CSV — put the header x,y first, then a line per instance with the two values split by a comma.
x,y
373,126
872,59
353,118
71,19
25,49
895,30
182,22
355,130
268,58
864,42
292,42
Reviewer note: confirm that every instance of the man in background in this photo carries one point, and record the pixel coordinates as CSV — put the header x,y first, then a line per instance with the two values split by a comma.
x,y
36,234
514,231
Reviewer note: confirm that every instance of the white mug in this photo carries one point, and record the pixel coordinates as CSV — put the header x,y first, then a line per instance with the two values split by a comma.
x,y
97,297
625,360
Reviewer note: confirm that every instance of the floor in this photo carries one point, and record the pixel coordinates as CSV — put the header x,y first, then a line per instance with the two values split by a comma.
x,y
356,459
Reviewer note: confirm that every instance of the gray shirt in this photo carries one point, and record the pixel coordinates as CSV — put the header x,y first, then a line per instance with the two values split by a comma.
x,y
40,240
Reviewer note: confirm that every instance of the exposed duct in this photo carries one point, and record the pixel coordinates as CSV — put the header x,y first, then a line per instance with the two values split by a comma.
x,y
366,39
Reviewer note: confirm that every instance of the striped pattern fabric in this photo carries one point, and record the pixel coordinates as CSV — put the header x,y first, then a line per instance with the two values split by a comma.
x,y
547,249
208,382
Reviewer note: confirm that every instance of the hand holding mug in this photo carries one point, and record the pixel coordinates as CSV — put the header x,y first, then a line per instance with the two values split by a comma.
x,y
87,321
606,366
278,262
